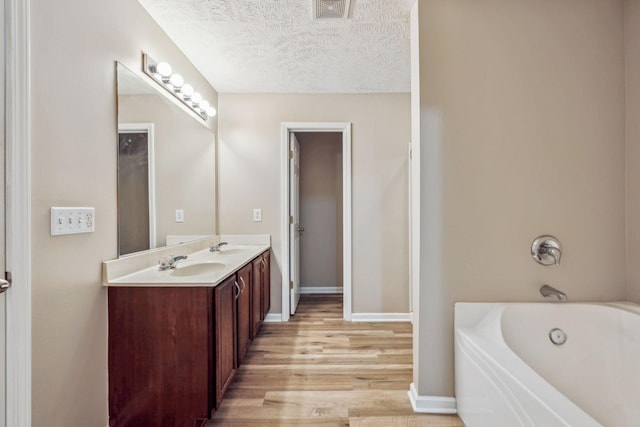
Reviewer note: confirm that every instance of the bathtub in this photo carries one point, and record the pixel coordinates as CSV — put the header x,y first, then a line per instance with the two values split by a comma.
x,y
509,373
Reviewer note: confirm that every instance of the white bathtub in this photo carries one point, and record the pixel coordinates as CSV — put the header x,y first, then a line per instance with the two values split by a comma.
x,y
509,373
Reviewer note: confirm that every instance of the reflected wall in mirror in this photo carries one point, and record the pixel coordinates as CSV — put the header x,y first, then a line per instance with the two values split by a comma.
x,y
166,168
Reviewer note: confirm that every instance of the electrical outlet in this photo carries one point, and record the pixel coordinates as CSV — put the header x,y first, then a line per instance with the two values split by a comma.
x,y
179,215
257,215
72,220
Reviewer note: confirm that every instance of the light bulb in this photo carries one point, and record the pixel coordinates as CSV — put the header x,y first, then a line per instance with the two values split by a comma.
x,y
204,105
211,111
196,98
176,80
164,69
187,91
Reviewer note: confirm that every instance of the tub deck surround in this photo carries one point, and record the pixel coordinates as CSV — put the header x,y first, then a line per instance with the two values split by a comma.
x,y
509,372
141,269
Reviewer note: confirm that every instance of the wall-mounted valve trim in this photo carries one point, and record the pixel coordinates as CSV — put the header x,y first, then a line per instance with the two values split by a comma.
x,y
546,250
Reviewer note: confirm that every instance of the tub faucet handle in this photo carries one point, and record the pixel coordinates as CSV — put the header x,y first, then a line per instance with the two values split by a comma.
x,y
546,250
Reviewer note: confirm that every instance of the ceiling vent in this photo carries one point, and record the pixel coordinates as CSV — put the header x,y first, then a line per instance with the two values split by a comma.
x,y
330,9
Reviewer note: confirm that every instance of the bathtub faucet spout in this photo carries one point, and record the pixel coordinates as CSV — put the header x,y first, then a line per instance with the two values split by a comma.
x,y
550,291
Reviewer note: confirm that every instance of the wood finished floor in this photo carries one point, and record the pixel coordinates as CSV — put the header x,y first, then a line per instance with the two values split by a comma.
x,y
318,370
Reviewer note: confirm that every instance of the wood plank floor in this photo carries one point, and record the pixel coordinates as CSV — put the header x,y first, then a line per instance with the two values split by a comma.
x,y
318,370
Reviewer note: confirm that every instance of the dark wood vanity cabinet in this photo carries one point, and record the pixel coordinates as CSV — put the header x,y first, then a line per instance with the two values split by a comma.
x,y
257,315
244,310
225,295
161,358
174,351
266,284
261,291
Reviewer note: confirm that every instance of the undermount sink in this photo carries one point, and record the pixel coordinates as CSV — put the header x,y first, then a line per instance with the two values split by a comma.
x,y
231,251
197,268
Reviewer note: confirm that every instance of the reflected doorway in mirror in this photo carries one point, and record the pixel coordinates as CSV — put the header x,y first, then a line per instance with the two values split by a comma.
x,y
136,189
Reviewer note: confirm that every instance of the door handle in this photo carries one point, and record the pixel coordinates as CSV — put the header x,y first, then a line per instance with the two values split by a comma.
x,y
4,285
300,230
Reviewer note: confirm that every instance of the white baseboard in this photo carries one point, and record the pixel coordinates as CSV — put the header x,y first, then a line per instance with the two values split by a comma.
x,y
431,404
381,317
320,289
273,318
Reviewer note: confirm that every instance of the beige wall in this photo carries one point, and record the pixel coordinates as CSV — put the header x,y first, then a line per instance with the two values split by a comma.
x,y
632,55
250,177
185,164
321,208
74,44
522,134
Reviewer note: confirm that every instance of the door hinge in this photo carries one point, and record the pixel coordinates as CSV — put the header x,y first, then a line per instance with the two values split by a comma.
x,y
290,219
291,284
290,154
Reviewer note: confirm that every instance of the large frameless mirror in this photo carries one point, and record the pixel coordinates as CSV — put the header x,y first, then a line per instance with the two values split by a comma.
x,y
166,168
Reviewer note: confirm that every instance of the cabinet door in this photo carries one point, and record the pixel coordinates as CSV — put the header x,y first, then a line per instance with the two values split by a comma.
x,y
256,296
244,311
266,284
225,338
160,341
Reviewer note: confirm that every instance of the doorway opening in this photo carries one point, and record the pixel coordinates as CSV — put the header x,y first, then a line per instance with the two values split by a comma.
x,y
314,236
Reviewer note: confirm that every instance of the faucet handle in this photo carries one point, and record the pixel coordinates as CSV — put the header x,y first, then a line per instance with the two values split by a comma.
x,y
546,250
165,262
215,247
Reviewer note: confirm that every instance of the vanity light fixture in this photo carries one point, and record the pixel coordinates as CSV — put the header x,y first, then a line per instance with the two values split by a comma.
x,y
162,73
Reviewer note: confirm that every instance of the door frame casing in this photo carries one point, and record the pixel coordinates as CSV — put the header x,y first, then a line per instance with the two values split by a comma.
x,y
345,129
18,210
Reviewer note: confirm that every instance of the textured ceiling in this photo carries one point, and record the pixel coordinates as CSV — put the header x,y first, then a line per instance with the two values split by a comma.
x,y
267,46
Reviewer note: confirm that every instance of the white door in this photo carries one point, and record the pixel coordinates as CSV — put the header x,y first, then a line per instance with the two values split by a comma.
x,y
294,221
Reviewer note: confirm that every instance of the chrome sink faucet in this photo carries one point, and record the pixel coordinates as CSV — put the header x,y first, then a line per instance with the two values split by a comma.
x,y
215,247
167,263
550,291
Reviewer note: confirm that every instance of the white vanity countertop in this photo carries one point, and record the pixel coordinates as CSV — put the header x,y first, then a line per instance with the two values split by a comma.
x,y
201,268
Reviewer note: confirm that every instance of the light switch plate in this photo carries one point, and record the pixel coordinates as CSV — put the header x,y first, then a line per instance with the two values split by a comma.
x,y
72,220
179,215
257,215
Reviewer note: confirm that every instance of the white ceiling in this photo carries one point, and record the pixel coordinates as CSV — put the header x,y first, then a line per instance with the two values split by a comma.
x,y
274,46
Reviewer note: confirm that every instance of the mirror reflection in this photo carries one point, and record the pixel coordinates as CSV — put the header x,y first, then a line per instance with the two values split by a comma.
x,y
166,168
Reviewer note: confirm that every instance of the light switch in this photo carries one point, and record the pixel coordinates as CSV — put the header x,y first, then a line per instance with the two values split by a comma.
x,y
72,220
179,215
257,215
